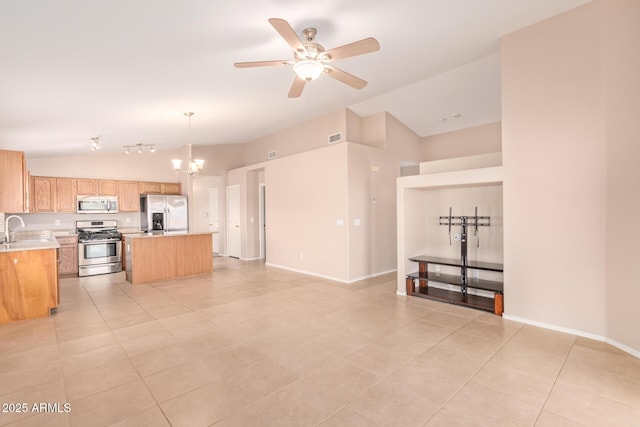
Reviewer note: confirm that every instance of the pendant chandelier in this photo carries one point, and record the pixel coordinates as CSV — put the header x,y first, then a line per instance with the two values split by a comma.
x,y
194,166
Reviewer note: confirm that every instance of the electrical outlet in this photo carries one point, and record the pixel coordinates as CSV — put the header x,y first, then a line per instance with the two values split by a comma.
x,y
56,222
128,220
301,256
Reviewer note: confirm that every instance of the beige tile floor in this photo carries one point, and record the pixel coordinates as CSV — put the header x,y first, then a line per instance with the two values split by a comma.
x,y
252,345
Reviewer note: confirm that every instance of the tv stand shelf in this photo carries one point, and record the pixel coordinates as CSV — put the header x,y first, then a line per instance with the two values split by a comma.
x,y
462,281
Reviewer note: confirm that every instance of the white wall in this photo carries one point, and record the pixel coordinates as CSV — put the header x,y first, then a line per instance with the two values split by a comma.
x,y
621,59
463,200
136,167
554,182
466,142
372,243
306,196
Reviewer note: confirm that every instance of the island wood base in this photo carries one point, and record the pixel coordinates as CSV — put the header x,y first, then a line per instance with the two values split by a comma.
x,y
155,258
29,284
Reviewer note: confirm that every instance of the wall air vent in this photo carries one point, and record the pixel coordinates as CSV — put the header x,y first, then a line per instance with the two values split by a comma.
x,y
336,137
272,155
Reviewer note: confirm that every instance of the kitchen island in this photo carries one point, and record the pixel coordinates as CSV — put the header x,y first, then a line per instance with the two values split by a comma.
x,y
153,257
28,279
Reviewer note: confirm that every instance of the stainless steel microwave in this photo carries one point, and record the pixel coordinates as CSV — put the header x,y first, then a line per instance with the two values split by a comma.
x,y
97,204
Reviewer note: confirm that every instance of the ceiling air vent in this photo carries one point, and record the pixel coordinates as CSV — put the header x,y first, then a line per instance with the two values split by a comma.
x,y
272,155
336,137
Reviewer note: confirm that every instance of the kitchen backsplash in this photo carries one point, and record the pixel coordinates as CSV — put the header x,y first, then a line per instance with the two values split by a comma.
x,y
62,222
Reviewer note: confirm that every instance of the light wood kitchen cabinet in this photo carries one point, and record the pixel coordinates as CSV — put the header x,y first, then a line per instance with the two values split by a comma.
x,y
180,255
68,255
95,187
129,196
43,194
150,188
160,188
87,187
66,192
107,187
51,194
171,188
30,284
14,182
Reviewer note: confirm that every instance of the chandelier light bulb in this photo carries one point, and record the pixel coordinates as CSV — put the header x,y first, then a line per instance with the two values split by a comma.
x,y
193,166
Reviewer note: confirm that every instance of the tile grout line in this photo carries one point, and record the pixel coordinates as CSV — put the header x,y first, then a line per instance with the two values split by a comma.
x,y
555,381
473,375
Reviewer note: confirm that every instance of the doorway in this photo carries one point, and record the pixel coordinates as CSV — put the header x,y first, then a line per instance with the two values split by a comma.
x,y
262,221
214,219
233,221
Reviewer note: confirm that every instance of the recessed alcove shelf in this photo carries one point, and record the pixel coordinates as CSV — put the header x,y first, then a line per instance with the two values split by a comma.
x,y
462,184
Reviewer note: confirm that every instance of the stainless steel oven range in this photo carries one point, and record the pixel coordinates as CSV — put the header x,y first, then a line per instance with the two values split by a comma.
x,y
99,247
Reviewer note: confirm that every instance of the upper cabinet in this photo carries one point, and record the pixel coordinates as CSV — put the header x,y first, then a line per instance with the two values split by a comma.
x,y
150,188
14,182
87,187
107,187
160,188
66,193
51,194
129,196
171,188
43,194
94,187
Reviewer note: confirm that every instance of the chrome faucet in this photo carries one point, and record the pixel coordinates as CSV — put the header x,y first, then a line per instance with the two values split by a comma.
x,y
6,227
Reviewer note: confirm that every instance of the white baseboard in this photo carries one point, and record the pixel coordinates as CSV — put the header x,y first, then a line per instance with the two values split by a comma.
x,y
382,273
250,259
623,347
335,279
576,332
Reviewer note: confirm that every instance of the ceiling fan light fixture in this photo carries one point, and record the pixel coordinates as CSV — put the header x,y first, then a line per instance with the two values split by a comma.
x,y
308,69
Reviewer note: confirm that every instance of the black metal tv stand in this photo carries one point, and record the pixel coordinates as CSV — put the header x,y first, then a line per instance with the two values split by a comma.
x,y
462,281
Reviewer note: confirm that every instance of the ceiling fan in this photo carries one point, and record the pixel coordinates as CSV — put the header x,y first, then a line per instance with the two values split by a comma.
x,y
310,59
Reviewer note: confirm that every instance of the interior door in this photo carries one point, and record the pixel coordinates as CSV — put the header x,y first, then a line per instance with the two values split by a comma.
x,y
263,227
233,221
214,218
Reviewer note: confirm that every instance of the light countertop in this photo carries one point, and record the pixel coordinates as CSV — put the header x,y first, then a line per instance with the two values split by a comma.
x,y
146,235
29,245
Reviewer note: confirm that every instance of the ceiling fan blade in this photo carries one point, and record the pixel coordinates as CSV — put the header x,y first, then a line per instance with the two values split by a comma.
x,y
287,33
296,87
361,47
259,64
344,77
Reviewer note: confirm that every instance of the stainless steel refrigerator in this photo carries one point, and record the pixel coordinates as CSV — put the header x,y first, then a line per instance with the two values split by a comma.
x,y
164,213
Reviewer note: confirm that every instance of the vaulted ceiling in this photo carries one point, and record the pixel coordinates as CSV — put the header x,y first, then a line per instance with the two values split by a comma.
x,y
127,70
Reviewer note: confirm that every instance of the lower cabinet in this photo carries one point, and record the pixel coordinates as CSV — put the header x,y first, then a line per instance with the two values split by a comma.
x,y
68,255
29,284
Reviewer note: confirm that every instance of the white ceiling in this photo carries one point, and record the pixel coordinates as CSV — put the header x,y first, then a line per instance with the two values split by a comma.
x,y
127,70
